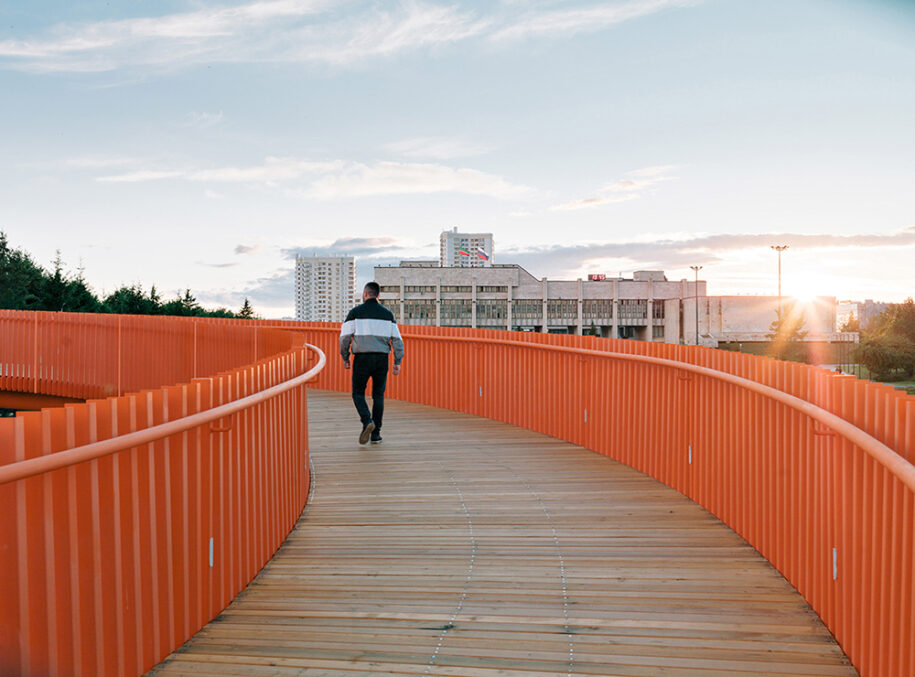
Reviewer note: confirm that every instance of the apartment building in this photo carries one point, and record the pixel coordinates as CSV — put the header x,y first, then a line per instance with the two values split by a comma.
x,y
465,250
325,287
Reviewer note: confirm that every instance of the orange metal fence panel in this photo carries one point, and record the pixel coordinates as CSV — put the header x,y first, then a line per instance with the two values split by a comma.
x,y
833,517
826,504
112,562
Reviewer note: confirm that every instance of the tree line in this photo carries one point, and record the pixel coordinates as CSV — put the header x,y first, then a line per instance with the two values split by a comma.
x,y
25,285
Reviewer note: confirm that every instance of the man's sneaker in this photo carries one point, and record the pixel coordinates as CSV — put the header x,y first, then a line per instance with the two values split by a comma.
x,y
366,432
376,438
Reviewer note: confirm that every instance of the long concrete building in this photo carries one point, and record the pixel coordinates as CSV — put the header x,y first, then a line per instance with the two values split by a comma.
x,y
645,307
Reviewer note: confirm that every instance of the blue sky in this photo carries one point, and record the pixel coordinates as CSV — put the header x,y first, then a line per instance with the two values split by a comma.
x,y
201,144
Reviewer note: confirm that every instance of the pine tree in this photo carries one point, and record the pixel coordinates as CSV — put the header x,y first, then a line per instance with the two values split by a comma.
x,y
20,278
787,334
246,312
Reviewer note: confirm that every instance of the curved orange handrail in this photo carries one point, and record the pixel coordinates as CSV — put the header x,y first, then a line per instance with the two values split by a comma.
x,y
881,453
41,464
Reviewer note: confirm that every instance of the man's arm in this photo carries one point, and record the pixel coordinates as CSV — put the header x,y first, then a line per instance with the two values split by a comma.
x,y
347,331
397,345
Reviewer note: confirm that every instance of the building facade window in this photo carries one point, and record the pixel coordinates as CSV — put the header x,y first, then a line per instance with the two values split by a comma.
x,y
492,309
418,310
456,289
657,310
419,288
456,309
491,288
633,309
594,309
562,309
527,309
657,332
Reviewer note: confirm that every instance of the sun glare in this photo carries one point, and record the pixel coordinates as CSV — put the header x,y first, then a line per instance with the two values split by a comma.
x,y
806,296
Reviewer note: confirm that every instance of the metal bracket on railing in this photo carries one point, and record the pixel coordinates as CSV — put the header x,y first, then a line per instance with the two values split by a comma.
x,y
684,377
823,433
223,428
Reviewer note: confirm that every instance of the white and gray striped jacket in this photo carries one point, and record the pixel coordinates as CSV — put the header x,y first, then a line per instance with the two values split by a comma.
x,y
370,328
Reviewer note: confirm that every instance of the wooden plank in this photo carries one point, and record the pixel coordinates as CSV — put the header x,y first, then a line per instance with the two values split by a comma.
x,y
463,546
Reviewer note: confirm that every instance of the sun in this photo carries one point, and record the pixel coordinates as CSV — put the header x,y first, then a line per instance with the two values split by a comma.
x,y
804,288
805,296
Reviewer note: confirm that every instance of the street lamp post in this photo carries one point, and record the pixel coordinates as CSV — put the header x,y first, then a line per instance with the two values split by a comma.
x,y
779,248
696,270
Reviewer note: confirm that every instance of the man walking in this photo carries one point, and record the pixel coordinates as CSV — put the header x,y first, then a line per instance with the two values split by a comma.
x,y
370,332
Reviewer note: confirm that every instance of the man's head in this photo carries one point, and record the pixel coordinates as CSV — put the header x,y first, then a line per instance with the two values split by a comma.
x,y
370,291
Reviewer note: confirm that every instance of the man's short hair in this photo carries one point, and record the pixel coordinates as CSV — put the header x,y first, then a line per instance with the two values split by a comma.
x,y
372,289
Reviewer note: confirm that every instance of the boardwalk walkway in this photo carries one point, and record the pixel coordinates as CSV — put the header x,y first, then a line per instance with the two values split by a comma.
x,y
462,546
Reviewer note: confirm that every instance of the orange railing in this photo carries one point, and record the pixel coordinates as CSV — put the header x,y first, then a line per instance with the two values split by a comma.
x,y
807,465
812,468
130,522
87,355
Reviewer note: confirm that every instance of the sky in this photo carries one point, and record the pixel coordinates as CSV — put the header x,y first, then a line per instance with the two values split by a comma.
x,y
197,144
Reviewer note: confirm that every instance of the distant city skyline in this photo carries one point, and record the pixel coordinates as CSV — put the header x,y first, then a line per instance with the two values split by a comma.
x,y
202,145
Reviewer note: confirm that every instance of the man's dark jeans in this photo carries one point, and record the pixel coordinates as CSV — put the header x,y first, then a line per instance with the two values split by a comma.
x,y
366,366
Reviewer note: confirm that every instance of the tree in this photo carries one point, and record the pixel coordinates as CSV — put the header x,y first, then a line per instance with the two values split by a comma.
x,y
787,334
887,357
183,305
132,301
887,348
61,292
851,324
593,330
247,312
53,289
20,278
79,298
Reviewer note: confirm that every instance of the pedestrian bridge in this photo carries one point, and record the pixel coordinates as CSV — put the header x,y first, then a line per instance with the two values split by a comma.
x,y
483,537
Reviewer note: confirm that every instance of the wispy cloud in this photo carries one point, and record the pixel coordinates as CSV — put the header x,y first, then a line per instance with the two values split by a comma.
x,y
273,169
204,120
338,179
706,249
639,181
297,31
565,22
378,33
398,178
350,246
98,162
436,148
248,248
230,264
588,202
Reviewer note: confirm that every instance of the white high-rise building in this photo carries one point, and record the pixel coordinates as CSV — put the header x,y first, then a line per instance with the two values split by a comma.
x,y
325,287
465,250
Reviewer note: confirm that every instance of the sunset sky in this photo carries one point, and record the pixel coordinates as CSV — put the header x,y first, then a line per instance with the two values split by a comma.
x,y
202,144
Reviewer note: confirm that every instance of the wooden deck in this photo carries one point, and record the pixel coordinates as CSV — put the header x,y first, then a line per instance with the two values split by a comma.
x,y
462,546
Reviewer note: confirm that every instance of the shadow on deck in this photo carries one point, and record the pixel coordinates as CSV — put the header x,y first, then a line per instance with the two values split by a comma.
x,y
464,546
